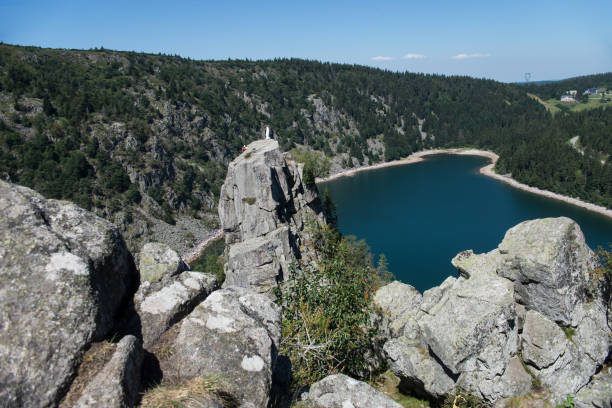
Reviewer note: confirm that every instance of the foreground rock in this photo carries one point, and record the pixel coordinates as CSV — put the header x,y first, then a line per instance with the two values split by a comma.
x,y
117,385
66,274
341,391
234,334
549,263
470,331
598,393
162,304
158,261
263,207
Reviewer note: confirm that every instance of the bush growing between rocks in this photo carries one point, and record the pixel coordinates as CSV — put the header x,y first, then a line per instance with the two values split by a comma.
x,y
327,311
315,165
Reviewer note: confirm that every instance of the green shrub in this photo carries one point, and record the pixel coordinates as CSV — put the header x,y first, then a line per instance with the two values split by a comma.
x,y
315,165
327,311
249,200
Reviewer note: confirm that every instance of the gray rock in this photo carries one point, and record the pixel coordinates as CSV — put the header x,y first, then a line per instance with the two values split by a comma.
x,y
398,304
158,261
563,365
598,393
261,262
549,262
162,304
341,391
542,341
264,208
233,334
69,272
117,385
420,373
474,319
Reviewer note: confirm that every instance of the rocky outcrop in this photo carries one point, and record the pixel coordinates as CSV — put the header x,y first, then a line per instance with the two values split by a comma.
x,y
549,263
234,334
158,261
529,297
263,207
341,391
117,385
65,274
162,304
598,393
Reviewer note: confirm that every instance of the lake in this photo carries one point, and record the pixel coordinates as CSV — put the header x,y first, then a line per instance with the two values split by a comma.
x,y
421,215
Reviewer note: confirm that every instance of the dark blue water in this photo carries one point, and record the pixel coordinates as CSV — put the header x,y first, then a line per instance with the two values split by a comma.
x,y
421,215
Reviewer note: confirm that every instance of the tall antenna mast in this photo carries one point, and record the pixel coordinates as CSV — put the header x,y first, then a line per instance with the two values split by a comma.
x,y
527,77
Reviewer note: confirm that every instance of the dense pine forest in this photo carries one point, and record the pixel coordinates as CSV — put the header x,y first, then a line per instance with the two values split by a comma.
x,y
142,136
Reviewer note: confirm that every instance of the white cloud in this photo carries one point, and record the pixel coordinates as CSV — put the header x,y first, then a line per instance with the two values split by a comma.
x,y
379,58
413,56
466,56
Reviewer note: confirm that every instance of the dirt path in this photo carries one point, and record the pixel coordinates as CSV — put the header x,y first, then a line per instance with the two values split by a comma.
x,y
198,250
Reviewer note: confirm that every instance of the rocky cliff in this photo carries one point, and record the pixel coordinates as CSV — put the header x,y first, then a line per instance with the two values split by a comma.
x,y
264,209
526,311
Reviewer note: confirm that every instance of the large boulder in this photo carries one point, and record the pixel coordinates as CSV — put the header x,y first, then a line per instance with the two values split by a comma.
x,y
473,332
530,297
563,361
418,370
117,385
234,334
158,261
66,272
341,391
264,207
549,263
161,304
399,304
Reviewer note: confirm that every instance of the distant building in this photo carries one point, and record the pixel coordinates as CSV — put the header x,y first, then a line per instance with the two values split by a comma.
x,y
567,98
591,91
572,92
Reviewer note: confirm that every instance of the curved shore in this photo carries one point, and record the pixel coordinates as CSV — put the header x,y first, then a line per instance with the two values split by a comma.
x,y
487,170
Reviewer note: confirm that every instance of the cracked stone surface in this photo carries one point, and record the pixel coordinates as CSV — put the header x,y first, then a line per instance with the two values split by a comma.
x,y
234,334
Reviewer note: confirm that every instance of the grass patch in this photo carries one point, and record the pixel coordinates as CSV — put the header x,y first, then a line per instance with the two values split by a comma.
x,y
569,332
92,363
196,390
249,200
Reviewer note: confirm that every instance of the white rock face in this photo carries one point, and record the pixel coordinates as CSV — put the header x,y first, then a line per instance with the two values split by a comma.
x,y
341,391
263,207
233,334
468,332
64,272
163,303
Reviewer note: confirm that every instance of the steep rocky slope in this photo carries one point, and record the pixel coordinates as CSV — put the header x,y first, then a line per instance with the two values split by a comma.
x,y
528,310
264,208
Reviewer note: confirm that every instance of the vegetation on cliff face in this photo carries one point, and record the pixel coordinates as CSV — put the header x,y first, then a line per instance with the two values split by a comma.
x,y
327,311
116,131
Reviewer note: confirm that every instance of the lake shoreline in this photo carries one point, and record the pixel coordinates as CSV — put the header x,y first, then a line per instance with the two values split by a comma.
x,y
487,170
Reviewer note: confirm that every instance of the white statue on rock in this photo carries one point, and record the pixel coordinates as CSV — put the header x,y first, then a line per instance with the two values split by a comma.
x,y
268,133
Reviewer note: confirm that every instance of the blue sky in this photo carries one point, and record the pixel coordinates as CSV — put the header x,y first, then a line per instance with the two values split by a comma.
x,y
493,39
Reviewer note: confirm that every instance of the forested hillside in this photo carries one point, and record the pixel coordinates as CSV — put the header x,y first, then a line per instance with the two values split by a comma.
x,y
142,138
